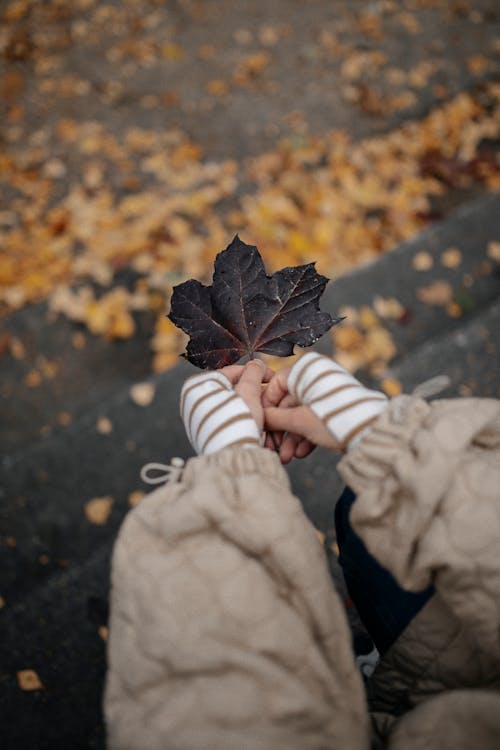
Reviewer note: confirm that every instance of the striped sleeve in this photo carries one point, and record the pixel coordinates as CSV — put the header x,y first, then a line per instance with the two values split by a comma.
x,y
346,407
214,416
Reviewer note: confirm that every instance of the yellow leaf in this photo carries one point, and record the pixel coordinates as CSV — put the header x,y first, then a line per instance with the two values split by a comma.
x,y
348,337
17,348
217,88
451,258
391,386
136,497
494,251
98,509
104,426
163,361
367,318
122,326
422,261
388,307
103,632
437,293
27,679
172,51
142,394
33,379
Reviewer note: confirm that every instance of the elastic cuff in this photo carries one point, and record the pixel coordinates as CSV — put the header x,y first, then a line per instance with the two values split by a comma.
x,y
237,460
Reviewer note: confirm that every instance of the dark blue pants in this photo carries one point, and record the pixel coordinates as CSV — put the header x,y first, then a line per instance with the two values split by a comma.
x,y
385,609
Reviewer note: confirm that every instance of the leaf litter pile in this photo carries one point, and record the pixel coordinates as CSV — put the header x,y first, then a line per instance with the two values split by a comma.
x,y
150,212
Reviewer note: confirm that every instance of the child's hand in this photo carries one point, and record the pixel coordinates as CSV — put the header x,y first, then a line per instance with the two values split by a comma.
x,y
319,402
293,429
217,415
247,382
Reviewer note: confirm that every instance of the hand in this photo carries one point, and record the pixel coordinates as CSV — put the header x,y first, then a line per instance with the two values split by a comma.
x,y
294,430
247,381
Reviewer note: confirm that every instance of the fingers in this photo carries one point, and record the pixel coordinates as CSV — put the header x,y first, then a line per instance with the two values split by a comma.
x,y
276,390
285,420
304,448
234,372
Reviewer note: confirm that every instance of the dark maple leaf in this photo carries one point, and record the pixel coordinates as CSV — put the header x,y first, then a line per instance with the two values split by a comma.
x,y
246,311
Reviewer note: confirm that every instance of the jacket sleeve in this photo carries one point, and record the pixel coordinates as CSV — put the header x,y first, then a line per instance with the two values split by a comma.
x,y
225,631
427,480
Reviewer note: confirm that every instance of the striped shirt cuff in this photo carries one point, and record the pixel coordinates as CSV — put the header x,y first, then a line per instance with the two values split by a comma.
x,y
345,406
214,416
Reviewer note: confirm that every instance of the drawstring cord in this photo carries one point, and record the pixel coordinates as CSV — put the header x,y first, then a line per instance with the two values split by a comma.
x,y
431,387
424,390
171,472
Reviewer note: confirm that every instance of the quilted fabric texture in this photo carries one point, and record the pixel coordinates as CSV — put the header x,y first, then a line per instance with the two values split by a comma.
x,y
225,631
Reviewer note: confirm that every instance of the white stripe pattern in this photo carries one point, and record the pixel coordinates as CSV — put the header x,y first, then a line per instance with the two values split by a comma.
x,y
346,407
214,416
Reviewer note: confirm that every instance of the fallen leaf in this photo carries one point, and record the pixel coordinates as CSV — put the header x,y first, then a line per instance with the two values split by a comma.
x,y
2,602
136,497
367,318
451,258
493,251
64,418
454,310
27,679
78,340
478,64
33,379
388,307
142,394
17,348
104,426
422,261
217,88
103,632
437,293
98,509
391,386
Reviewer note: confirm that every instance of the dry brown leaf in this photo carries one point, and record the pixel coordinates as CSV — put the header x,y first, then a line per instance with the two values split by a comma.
x,y
33,379
2,602
422,261
28,679
217,88
142,394
454,310
17,348
437,293
104,426
478,64
98,509
64,418
494,251
451,258
78,340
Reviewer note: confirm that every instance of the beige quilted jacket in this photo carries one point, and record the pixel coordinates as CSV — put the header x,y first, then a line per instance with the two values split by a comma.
x,y
226,633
